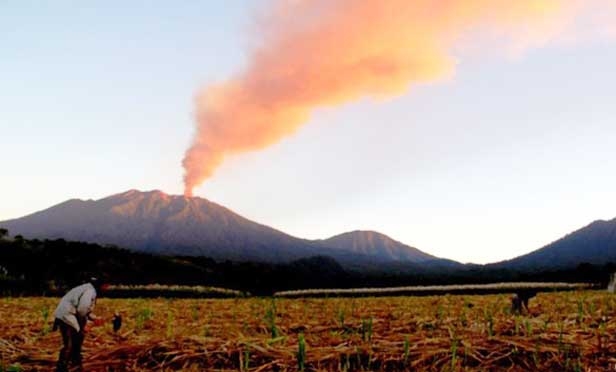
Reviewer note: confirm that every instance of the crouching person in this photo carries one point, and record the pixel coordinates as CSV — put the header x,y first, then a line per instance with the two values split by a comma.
x,y
519,301
71,316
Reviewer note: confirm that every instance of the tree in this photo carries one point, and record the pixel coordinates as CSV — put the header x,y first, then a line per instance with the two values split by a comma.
x,y
3,233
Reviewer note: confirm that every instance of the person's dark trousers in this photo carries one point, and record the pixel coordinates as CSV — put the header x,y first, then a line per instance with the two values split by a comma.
x,y
71,350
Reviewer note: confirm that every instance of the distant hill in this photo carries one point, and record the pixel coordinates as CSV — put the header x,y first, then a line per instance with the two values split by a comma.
x,y
155,222
593,244
377,245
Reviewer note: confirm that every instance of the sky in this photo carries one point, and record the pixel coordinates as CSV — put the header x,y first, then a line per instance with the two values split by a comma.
x,y
509,153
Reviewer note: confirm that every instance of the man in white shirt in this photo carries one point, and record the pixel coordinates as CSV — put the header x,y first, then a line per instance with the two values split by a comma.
x,y
71,315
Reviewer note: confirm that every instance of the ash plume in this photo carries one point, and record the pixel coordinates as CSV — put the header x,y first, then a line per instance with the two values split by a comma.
x,y
317,53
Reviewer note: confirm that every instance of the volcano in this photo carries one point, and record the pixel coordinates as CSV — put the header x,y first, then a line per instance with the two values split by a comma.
x,y
159,223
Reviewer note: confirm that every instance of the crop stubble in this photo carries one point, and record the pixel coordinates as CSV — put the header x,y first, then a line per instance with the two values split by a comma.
x,y
565,331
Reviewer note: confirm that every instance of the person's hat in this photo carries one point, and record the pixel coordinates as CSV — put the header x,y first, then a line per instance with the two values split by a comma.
x,y
96,282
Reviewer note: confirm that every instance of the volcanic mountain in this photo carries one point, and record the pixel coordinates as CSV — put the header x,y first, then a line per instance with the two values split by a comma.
x,y
155,222
374,244
594,244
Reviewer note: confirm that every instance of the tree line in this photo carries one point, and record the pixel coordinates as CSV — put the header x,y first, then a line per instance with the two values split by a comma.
x,y
48,267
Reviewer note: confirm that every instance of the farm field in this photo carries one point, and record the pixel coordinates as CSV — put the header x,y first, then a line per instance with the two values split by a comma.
x,y
565,331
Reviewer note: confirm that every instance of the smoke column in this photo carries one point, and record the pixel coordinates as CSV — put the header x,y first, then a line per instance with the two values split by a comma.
x,y
316,53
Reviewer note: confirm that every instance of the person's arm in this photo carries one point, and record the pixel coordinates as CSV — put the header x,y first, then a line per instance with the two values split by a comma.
x,y
86,303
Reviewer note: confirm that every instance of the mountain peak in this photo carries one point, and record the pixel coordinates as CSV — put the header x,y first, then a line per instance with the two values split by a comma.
x,y
595,244
366,233
156,222
132,193
156,195
374,243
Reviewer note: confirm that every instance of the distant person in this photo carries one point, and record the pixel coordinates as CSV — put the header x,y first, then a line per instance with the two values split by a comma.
x,y
611,287
519,301
116,321
71,316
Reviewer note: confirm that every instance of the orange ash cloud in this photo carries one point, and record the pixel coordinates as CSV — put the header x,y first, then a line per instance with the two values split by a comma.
x,y
316,53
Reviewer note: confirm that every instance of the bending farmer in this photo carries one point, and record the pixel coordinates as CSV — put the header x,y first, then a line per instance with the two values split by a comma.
x,y
71,315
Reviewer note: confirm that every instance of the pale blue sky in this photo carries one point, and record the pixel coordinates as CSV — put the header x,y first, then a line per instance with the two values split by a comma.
x,y
508,155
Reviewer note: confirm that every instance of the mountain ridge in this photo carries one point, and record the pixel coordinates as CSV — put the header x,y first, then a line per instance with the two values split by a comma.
x,y
377,244
155,222
594,243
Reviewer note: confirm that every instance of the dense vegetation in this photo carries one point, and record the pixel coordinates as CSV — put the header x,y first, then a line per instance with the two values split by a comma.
x,y
49,266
